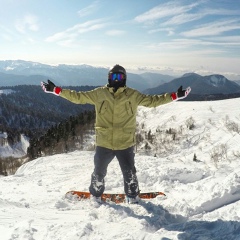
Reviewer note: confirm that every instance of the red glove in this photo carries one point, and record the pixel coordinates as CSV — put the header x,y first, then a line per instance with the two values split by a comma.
x,y
50,87
180,94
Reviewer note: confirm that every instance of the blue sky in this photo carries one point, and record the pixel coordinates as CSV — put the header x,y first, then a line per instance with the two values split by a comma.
x,y
170,36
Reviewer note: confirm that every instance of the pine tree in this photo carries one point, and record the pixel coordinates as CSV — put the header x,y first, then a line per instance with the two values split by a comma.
x,y
1,168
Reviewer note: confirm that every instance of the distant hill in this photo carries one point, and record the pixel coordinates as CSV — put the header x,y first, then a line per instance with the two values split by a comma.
x,y
155,79
201,85
14,80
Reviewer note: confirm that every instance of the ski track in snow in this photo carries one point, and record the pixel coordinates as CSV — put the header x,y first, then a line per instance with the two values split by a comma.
x,y
202,201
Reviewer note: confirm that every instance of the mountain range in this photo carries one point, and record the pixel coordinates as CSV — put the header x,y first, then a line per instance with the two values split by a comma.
x,y
19,72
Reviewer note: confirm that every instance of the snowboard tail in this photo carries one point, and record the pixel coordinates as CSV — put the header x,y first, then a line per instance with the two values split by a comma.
x,y
112,197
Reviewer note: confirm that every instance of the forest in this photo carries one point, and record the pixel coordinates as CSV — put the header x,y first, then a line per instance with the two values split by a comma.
x,y
26,109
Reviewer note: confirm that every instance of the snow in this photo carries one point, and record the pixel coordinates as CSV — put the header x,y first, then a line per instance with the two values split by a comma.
x,y
202,197
6,91
217,80
9,69
19,149
23,144
3,135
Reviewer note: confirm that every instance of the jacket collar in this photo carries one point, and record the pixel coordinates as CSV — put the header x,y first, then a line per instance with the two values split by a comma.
x,y
120,90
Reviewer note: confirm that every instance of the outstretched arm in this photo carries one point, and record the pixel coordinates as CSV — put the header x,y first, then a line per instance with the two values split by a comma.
x,y
71,95
157,100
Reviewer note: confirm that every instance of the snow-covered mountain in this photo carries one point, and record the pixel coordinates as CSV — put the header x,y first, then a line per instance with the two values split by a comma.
x,y
202,192
18,71
201,85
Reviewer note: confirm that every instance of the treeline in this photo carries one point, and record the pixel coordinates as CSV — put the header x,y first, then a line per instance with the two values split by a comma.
x,y
9,165
30,111
66,136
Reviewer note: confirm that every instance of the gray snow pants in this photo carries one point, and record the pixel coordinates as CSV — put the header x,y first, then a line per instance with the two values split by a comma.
x,y
102,158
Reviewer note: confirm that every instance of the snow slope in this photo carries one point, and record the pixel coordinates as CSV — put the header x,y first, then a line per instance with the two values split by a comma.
x,y
202,199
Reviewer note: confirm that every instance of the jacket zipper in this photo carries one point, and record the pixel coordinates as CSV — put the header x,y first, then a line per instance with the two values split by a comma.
x,y
130,104
101,107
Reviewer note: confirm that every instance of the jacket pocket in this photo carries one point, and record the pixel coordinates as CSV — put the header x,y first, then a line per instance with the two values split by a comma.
x,y
128,135
103,107
102,135
129,108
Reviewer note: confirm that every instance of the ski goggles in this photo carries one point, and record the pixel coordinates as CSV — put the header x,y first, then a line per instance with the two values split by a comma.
x,y
116,76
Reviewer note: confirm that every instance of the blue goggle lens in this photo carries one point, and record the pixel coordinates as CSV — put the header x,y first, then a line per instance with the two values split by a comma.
x,y
117,76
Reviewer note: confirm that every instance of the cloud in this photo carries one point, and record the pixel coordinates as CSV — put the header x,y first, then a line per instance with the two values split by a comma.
x,y
7,34
66,43
214,28
28,22
115,33
88,10
7,37
196,45
70,34
175,44
170,31
183,18
172,8
13,36
175,13
189,17
227,39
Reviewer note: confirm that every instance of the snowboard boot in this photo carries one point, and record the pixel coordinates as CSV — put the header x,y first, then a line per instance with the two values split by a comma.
x,y
132,200
94,199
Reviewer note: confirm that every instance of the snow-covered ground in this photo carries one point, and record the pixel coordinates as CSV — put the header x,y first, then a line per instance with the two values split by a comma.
x,y
202,199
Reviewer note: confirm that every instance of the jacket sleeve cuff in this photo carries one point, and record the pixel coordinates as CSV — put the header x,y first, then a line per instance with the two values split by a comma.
x,y
57,90
174,96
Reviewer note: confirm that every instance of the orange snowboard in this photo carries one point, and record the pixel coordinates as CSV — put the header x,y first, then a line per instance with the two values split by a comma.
x,y
112,197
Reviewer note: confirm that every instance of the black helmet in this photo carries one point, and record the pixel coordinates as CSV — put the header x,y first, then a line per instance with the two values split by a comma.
x,y
118,69
121,82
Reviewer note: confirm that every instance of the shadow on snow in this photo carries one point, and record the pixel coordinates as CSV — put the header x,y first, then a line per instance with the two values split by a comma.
x,y
198,230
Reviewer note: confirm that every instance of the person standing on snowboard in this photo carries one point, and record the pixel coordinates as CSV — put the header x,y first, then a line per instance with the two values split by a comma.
x,y
116,109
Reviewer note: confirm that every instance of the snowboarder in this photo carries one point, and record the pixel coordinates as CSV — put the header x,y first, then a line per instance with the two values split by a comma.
x,y
116,109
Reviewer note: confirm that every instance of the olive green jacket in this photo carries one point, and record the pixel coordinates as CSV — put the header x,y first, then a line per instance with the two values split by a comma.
x,y
115,112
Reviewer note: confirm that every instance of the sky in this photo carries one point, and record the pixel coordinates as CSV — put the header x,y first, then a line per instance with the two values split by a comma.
x,y
202,197
172,36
